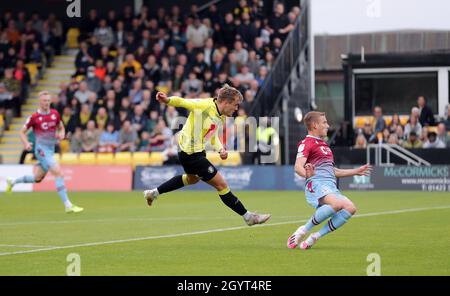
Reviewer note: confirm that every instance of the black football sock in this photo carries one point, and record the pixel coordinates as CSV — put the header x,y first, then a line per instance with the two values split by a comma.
x,y
175,183
232,201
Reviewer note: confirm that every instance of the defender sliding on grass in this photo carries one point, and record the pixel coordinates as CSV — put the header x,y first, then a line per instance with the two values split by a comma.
x,y
48,129
202,125
315,163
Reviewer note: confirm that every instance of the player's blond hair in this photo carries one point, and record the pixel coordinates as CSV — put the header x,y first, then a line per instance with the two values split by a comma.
x,y
44,93
311,118
229,93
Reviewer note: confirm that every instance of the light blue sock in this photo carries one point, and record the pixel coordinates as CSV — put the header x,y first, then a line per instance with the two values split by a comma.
x,y
25,179
319,216
62,192
335,222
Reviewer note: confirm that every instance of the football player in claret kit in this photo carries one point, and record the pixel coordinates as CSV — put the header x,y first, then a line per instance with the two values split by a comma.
x,y
202,125
48,129
315,162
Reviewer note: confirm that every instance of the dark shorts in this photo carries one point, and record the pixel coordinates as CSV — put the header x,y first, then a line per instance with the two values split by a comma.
x,y
197,164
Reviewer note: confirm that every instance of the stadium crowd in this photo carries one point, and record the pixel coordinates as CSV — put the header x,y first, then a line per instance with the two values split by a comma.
x,y
25,41
124,59
420,131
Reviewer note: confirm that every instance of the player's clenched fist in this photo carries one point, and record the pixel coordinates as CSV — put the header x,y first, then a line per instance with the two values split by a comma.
x,y
223,154
162,97
309,169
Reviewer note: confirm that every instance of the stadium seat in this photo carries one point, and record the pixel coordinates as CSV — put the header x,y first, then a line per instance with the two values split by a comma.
x,y
29,159
123,158
361,120
64,145
86,158
105,158
72,37
33,70
214,158
141,158
234,159
156,158
69,158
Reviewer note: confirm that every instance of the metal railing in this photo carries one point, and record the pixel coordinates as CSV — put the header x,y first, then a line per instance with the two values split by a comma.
x,y
270,93
396,150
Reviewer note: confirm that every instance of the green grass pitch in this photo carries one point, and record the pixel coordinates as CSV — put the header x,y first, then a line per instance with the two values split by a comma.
x,y
193,233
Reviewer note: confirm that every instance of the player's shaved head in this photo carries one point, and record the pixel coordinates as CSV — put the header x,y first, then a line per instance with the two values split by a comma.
x,y
311,118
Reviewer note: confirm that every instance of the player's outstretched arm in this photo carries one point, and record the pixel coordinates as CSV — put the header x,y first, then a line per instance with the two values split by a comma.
x,y
189,104
364,170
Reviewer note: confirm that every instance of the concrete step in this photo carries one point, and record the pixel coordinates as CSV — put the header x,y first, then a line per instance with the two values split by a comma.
x,y
10,152
9,146
15,126
11,140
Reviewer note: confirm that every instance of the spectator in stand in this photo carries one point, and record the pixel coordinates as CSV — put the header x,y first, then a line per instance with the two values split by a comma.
x,y
82,93
361,142
385,135
76,141
109,139
101,117
393,139
413,141
84,116
443,135
104,34
144,142
368,133
127,137
424,135
192,87
136,92
94,84
241,53
413,125
129,68
11,94
400,135
83,59
68,120
253,63
447,119
433,141
269,60
426,117
90,137
278,22
138,119
244,78
395,122
378,123
161,137
197,32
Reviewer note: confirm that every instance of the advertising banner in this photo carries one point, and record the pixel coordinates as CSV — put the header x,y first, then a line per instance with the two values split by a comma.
x,y
238,178
15,171
91,178
423,178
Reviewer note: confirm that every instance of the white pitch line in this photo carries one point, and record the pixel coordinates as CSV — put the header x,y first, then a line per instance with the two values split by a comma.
x,y
110,220
208,231
24,246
